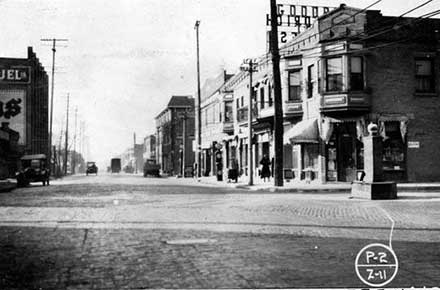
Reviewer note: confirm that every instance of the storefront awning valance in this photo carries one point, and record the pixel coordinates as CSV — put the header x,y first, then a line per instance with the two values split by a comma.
x,y
305,131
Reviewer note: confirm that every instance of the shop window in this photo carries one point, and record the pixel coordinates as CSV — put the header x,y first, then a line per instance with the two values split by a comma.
x,y
393,148
333,74
310,158
311,74
356,73
294,86
424,75
262,98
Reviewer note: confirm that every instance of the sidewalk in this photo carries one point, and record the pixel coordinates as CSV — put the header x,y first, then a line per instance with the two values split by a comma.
x,y
303,187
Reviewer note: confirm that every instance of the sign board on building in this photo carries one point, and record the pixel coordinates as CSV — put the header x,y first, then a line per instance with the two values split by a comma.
x,y
413,144
293,19
15,74
13,111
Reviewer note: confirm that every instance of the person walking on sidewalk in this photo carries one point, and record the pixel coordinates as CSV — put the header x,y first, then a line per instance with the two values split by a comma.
x,y
265,170
233,170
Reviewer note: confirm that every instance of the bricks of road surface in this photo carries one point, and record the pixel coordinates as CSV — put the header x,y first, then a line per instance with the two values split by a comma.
x,y
33,258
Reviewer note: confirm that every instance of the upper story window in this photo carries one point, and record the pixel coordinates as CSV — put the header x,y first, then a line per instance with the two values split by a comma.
x,y
356,73
269,95
425,82
333,74
262,98
294,85
228,111
311,80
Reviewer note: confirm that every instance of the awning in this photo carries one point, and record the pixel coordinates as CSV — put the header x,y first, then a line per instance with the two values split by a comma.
x,y
305,131
35,156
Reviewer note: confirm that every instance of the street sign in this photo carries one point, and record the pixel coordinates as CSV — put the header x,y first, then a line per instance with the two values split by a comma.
x,y
376,265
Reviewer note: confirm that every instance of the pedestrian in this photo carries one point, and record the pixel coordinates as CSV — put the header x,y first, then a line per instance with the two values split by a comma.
x,y
265,167
233,171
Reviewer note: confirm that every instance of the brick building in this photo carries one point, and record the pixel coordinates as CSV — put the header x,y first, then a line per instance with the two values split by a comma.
x,y
175,135
349,68
24,101
216,121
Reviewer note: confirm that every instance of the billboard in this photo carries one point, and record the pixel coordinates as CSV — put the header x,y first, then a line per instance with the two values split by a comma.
x,y
13,111
293,19
15,74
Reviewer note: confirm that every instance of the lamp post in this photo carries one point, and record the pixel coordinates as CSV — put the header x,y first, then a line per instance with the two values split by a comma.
x,y
249,66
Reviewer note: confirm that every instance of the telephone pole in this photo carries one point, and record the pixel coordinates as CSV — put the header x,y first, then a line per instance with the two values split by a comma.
x,y
54,43
199,119
74,154
66,148
278,118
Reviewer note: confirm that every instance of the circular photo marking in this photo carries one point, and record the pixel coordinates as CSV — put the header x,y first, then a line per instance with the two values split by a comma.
x,y
376,265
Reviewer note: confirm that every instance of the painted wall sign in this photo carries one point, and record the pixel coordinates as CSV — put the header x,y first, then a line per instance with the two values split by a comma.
x,y
14,74
13,111
413,144
293,19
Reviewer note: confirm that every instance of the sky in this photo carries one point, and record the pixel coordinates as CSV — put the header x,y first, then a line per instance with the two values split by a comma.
x,y
124,59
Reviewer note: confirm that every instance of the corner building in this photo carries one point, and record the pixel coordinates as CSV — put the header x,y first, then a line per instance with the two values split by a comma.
x,y
349,68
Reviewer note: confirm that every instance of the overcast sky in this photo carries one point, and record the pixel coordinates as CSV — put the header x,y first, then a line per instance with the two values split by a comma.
x,y
124,59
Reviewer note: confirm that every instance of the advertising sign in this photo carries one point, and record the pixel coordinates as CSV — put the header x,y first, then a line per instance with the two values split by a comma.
x,y
14,74
293,19
13,111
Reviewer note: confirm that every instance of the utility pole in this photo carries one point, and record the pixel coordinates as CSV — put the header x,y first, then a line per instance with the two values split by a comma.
x,y
74,154
199,118
54,41
67,137
184,143
249,67
278,118
134,153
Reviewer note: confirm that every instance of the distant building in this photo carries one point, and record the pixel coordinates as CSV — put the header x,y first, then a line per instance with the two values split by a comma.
x,y
175,135
149,147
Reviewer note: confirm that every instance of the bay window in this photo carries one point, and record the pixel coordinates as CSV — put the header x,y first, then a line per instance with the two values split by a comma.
x,y
356,73
333,74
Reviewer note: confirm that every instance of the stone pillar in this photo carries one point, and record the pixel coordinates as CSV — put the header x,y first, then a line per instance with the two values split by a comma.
x,y
372,185
373,159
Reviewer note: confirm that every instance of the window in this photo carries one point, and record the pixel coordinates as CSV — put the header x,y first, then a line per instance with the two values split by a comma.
x,y
356,73
334,74
424,76
242,101
262,98
393,148
269,95
294,86
311,74
228,111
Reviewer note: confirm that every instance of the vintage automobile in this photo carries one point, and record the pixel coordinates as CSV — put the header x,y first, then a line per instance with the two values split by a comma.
x,y
91,168
151,168
33,169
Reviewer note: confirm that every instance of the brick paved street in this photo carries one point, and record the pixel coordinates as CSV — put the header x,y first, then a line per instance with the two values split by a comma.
x,y
111,232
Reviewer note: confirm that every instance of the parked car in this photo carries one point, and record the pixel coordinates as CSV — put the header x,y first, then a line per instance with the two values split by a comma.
x,y
33,169
91,168
151,168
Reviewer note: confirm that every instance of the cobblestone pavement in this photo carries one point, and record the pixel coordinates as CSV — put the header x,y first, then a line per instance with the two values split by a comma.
x,y
111,232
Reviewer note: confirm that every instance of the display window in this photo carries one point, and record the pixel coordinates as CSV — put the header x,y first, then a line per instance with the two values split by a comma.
x,y
393,148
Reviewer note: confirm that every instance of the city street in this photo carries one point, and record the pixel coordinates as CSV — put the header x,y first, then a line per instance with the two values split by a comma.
x,y
126,231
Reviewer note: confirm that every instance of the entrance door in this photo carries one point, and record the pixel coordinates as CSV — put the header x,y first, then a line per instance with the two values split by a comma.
x,y
347,161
